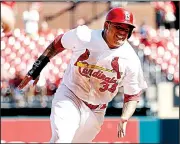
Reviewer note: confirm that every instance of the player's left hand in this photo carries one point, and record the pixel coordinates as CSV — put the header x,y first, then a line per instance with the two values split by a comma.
x,y
122,128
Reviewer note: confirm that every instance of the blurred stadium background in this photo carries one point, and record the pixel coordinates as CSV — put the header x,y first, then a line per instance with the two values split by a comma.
x,y
25,114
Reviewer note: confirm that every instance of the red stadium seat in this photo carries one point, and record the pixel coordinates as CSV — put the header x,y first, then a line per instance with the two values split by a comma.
x,y
160,51
164,66
167,56
171,69
173,61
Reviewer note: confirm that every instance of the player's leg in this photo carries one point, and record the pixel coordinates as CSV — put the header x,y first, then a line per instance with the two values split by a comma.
x,y
65,118
90,126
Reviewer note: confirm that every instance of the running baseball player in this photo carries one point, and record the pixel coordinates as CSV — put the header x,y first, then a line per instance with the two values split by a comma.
x,y
102,61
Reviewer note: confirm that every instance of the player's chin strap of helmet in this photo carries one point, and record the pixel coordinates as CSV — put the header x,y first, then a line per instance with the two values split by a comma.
x,y
39,64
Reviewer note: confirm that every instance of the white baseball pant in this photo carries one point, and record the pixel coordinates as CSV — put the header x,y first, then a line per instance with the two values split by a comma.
x,y
71,120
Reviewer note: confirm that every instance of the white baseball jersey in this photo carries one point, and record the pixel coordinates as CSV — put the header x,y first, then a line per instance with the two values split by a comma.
x,y
95,71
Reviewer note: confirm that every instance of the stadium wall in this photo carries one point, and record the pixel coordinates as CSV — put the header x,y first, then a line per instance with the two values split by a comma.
x,y
139,130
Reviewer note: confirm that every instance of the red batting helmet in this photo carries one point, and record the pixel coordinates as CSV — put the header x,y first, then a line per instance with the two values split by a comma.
x,y
121,15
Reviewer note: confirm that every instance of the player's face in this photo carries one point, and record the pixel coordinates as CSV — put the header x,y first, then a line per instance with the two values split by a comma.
x,y
116,34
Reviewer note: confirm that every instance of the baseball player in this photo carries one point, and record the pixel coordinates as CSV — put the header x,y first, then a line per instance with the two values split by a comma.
x,y
102,61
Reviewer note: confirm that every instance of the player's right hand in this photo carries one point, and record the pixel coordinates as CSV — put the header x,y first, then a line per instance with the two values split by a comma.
x,y
122,128
26,80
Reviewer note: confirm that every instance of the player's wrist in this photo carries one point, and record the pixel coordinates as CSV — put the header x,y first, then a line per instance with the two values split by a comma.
x,y
123,119
40,63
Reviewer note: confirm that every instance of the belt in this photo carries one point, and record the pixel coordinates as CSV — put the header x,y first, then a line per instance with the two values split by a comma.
x,y
92,107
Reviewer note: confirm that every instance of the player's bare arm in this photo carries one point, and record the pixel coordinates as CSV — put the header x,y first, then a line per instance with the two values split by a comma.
x,y
129,107
50,51
128,110
53,49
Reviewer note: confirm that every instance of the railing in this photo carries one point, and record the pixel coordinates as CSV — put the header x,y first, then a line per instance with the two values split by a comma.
x,y
72,10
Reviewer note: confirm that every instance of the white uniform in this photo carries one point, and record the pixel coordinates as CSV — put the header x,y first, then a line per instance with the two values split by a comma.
x,y
93,76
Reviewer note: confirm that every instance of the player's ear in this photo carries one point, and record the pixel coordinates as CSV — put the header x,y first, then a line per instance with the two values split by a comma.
x,y
106,25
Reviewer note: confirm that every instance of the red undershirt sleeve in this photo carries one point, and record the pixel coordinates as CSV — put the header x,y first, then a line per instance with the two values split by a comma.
x,y
135,97
57,43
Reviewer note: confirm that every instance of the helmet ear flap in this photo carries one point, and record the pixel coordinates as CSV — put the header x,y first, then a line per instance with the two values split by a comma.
x,y
130,32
